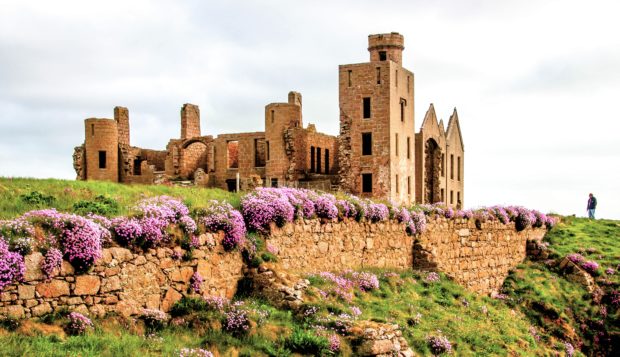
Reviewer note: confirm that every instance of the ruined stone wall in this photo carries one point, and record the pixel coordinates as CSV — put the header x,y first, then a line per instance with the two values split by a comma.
x,y
358,81
101,144
126,282
246,157
310,246
478,259
190,121
123,282
324,142
278,118
193,157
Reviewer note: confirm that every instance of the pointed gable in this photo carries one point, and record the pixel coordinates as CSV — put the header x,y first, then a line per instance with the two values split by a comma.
x,y
454,129
429,124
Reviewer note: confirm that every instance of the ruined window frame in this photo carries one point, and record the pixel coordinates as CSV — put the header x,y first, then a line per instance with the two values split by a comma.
x,y
458,168
451,166
396,183
103,159
229,163
367,145
327,161
408,147
382,56
396,143
366,108
366,182
256,157
312,158
318,160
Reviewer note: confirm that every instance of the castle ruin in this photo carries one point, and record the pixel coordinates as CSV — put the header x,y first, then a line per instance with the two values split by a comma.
x,y
377,153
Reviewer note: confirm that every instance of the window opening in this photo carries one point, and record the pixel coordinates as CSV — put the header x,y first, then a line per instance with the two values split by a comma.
x,y
366,143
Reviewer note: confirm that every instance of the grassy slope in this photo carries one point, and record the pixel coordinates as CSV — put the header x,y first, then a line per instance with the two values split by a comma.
x,y
504,329
67,193
561,309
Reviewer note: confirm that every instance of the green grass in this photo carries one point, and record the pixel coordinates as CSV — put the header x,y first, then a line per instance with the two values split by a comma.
x,y
560,308
67,193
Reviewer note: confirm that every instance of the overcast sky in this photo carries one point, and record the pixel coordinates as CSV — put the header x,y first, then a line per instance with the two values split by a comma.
x,y
536,83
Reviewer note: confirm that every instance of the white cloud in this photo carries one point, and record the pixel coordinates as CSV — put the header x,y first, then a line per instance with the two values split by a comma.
x,y
535,82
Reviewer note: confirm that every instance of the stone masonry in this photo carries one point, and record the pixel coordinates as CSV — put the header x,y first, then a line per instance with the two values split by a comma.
x,y
377,153
126,282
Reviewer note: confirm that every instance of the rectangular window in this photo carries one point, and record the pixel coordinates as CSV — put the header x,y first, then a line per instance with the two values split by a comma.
x,y
408,83
92,129
451,197
259,152
233,154
378,75
396,80
327,161
366,143
273,116
366,102
274,182
443,165
396,143
318,160
137,166
458,199
311,158
350,71
443,195
408,148
458,168
102,159
397,183
451,167
267,142
367,183
382,55
403,104
408,185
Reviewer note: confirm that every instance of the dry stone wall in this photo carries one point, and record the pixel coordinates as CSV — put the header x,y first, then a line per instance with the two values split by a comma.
x,y
124,282
311,246
477,258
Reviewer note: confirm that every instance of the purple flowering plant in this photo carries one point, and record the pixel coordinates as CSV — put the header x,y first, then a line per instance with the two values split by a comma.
x,y
221,216
12,267
78,324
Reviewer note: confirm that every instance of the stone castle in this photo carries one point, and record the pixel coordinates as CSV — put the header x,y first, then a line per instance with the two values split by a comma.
x,y
377,154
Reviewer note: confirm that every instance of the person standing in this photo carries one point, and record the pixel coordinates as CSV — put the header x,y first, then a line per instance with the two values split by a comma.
x,y
591,206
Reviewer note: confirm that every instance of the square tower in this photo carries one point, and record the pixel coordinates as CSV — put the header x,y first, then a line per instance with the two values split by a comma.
x,y
377,130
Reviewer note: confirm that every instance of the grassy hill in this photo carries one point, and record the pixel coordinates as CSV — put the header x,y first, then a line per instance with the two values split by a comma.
x,y
19,195
539,311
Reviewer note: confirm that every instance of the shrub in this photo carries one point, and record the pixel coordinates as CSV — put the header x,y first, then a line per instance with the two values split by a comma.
x,y
154,319
266,205
78,324
77,237
127,231
325,207
194,352
377,212
439,344
432,277
346,209
18,235
307,342
222,216
101,205
37,198
51,263
195,283
12,268
524,219
236,322
591,267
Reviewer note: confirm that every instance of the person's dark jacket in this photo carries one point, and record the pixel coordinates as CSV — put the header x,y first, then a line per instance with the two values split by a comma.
x,y
592,203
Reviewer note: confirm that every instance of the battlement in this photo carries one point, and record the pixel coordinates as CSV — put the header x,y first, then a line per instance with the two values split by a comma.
x,y
386,47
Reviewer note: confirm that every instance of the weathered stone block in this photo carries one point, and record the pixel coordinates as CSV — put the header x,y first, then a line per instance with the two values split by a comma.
x,y
87,285
52,289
